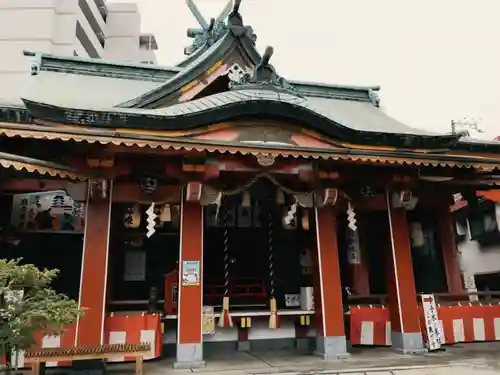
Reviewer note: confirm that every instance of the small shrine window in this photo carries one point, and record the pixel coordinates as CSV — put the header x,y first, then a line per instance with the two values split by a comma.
x,y
483,221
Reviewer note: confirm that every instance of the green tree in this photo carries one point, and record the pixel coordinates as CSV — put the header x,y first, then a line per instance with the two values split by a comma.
x,y
28,305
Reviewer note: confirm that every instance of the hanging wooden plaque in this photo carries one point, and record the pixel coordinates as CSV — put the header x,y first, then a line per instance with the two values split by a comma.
x,y
193,191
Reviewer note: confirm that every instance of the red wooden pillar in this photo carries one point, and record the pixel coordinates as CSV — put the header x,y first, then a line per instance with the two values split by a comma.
x,y
93,279
402,298
330,336
449,249
190,304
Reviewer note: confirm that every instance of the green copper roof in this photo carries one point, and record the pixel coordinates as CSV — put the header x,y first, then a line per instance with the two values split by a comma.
x,y
98,67
109,94
77,90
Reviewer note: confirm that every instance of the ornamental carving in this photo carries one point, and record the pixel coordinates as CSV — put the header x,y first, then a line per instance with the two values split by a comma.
x,y
264,76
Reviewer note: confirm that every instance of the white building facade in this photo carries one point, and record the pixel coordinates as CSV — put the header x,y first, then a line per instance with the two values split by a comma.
x,y
85,28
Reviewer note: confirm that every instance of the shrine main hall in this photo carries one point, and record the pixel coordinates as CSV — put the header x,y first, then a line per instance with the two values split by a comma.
x,y
217,205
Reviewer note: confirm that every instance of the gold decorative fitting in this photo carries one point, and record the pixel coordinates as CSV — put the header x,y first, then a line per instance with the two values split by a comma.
x,y
265,160
246,322
305,320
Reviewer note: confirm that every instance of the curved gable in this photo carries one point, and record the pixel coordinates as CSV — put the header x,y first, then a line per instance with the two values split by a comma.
x,y
215,47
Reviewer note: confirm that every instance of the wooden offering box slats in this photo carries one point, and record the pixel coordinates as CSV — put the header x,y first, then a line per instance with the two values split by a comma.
x,y
88,350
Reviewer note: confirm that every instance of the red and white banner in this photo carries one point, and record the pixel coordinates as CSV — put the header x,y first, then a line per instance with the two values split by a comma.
x,y
470,323
119,329
134,329
372,326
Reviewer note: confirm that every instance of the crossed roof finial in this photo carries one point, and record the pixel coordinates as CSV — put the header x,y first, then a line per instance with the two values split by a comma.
x,y
220,18
210,31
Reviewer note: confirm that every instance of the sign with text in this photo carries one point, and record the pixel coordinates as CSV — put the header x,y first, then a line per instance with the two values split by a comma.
x,y
135,266
50,211
353,250
190,273
434,334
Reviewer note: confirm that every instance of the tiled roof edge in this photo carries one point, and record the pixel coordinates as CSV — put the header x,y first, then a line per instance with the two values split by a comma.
x,y
97,67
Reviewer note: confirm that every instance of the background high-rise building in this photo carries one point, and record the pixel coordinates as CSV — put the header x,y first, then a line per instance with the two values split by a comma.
x,y
85,28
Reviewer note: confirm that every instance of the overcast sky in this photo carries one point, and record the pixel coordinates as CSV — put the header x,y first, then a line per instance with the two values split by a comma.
x,y
435,60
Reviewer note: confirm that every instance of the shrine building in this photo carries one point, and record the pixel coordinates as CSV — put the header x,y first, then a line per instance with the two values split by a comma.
x,y
217,205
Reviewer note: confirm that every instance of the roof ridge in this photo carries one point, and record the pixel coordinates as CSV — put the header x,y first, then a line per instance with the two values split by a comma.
x,y
334,85
98,67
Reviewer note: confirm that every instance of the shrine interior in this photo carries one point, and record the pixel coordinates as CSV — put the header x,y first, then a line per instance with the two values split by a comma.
x,y
264,252
137,263
49,249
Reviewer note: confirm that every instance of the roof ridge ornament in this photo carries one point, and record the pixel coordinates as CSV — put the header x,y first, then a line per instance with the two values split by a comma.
x,y
264,77
374,97
211,31
235,23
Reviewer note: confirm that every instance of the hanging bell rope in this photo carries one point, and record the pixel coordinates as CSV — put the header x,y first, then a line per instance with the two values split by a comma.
x,y
273,318
225,319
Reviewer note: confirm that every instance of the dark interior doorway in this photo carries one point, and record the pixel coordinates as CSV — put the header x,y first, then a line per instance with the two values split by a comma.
x,y
376,243
137,263
249,237
426,252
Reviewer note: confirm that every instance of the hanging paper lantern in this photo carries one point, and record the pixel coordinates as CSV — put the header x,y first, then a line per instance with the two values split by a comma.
x,y
246,201
132,217
417,234
305,219
165,214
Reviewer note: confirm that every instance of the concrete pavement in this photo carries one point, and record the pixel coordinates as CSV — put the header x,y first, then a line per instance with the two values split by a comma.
x,y
462,359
